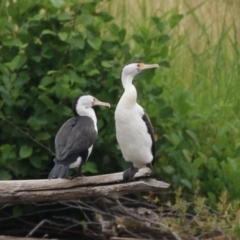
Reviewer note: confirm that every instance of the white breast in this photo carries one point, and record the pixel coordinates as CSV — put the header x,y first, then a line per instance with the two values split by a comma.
x,y
79,159
132,134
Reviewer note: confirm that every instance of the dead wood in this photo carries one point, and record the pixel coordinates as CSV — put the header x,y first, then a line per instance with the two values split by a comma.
x,y
110,185
19,238
133,223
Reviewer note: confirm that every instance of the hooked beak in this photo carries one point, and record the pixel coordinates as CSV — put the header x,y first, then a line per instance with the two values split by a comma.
x,y
98,103
147,66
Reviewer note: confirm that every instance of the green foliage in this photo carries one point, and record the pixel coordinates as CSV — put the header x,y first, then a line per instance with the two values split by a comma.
x,y
197,218
195,112
50,52
53,50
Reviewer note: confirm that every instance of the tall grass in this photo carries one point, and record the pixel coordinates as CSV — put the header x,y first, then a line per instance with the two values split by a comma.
x,y
204,56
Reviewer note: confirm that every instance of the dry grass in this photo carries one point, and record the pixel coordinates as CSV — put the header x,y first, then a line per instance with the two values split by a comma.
x,y
204,48
205,19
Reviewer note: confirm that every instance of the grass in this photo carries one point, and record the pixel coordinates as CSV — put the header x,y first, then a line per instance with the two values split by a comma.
x,y
204,54
204,73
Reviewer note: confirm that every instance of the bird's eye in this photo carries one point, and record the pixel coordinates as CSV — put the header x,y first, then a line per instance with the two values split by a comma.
x,y
138,65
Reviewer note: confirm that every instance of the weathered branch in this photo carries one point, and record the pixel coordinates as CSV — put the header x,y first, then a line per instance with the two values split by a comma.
x,y
19,238
111,185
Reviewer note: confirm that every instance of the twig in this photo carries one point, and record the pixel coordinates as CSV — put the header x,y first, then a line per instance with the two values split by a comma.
x,y
27,134
40,224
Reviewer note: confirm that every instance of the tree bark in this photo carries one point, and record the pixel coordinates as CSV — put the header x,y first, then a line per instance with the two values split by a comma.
x,y
111,185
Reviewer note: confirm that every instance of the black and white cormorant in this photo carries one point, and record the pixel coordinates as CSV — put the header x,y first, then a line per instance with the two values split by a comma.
x,y
134,130
74,140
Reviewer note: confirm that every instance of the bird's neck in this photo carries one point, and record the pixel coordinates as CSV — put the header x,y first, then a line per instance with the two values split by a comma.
x,y
88,112
130,93
126,80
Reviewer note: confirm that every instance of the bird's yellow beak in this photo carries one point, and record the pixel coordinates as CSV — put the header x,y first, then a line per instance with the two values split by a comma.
x,y
96,102
143,66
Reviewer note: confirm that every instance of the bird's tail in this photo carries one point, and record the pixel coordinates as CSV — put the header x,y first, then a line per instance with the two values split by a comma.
x,y
59,171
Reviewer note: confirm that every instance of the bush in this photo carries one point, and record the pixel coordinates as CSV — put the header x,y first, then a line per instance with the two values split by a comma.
x,y
50,52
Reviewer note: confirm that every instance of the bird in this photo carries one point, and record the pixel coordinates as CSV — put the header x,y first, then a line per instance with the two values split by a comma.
x,y
74,140
134,130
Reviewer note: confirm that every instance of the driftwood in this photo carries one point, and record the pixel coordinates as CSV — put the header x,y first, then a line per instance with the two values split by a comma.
x,y
120,238
110,185
19,238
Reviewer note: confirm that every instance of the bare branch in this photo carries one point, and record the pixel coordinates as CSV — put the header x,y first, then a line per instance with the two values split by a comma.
x,y
26,134
110,185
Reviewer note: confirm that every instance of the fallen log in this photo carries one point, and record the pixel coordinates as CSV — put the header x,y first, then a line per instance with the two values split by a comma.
x,y
21,238
109,185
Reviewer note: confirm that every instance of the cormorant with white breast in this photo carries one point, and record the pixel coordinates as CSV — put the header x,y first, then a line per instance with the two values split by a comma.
x,y
75,139
134,130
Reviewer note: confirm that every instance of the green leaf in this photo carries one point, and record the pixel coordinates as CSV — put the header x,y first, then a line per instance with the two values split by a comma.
x,y
64,16
158,23
85,19
47,31
197,162
105,16
63,36
42,136
187,155
7,82
5,175
157,91
121,35
166,112
61,90
90,167
164,52
95,43
211,197
37,163
47,101
93,72
25,151
164,64
47,51
186,183
75,78
169,169
36,58
7,152
45,81
57,3
4,69
77,42
37,17
114,29
175,19
163,39
173,138
107,64
18,62
193,136
212,164
13,42
139,39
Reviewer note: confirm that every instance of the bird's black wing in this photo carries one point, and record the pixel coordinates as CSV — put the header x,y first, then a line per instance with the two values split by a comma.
x,y
76,135
148,123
